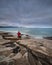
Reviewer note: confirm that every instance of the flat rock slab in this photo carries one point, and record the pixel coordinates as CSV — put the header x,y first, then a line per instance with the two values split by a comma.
x,y
5,51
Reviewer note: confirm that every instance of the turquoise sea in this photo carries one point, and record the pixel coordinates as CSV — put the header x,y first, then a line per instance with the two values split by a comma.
x,y
35,32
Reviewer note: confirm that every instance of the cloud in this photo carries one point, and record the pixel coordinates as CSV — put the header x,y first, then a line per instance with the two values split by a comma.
x,y
26,12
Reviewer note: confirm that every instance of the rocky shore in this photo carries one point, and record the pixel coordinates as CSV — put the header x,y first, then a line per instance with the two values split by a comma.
x,y
27,51
49,38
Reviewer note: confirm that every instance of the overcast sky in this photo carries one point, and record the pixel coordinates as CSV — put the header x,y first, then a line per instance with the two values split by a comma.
x,y
26,13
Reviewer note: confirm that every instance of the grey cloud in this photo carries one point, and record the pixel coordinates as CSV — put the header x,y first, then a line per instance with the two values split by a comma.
x,y
26,12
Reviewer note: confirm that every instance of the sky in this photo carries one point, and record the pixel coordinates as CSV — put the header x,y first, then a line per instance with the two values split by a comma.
x,y
26,13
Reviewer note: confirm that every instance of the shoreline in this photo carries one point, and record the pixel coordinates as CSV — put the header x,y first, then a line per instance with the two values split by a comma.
x,y
32,36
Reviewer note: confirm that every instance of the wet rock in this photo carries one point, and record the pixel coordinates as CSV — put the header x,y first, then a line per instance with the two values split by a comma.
x,y
49,38
16,50
9,44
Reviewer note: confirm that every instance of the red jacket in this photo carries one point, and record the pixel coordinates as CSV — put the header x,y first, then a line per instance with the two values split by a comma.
x,y
19,34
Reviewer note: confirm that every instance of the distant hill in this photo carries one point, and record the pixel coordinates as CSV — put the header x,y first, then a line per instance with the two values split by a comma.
x,y
8,27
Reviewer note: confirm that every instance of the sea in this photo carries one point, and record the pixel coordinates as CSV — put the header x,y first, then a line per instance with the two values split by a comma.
x,y
34,32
